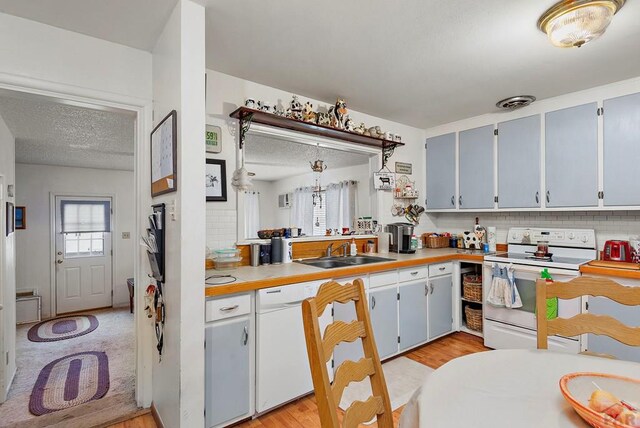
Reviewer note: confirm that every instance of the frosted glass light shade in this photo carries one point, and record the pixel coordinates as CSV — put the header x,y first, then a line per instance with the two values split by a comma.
x,y
574,23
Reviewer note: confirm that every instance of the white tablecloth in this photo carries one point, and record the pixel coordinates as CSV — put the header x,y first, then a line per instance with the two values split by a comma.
x,y
504,388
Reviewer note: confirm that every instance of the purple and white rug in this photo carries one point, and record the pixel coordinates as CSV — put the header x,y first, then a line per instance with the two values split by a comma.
x,y
70,381
62,328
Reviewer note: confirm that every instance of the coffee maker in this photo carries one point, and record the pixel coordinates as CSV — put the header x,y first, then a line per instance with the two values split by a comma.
x,y
401,234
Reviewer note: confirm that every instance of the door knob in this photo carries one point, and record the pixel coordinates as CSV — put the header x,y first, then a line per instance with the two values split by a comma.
x,y
59,262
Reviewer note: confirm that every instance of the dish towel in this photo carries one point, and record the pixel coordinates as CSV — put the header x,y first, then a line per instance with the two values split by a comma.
x,y
503,292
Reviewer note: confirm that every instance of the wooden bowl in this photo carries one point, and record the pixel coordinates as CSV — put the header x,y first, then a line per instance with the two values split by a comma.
x,y
578,387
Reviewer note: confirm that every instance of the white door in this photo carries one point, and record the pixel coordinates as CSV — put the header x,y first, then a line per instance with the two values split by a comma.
x,y
82,253
3,395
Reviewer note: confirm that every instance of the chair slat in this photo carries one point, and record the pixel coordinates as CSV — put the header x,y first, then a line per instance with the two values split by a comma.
x,y
362,411
350,371
332,291
596,324
599,287
341,331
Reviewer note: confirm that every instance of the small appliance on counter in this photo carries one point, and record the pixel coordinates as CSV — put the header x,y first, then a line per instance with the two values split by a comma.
x,y
401,234
617,251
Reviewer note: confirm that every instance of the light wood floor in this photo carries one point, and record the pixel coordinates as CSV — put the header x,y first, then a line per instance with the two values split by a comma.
x,y
303,413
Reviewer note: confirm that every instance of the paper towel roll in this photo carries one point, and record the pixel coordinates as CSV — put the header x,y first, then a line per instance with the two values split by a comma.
x,y
384,238
287,250
491,239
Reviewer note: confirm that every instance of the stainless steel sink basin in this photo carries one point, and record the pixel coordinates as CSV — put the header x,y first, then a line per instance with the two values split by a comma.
x,y
337,262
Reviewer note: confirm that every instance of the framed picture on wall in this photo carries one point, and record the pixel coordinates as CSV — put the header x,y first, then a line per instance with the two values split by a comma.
x,y
21,218
216,180
10,219
214,139
164,163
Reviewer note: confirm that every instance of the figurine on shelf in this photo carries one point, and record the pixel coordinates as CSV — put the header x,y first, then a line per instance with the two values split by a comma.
x,y
360,129
308,115
338,114
376,132
349,124
295,109
323,119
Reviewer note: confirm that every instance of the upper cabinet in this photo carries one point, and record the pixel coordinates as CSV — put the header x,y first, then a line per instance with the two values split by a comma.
x,y
571,141
519,163
476,168
441,172
622,151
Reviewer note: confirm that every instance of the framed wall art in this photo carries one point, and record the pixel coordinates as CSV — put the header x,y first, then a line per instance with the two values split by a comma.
x,y
21,218
213,139
164,141
216,180
10,219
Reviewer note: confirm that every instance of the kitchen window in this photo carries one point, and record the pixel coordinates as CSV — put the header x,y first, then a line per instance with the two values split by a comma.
x,y
320,216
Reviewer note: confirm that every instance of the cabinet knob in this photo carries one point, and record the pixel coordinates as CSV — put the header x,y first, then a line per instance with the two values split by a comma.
x,y
373,302
537,197
229,308
548,196
460,200
453,200
246,336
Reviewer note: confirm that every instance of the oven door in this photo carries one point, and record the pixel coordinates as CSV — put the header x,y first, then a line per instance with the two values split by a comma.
x,y
525,277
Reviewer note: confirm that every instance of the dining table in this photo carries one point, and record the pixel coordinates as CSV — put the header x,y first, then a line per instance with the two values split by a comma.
x,y
515,388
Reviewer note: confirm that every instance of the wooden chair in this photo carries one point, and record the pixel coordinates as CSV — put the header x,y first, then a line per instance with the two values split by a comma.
x,y
320,348
585,323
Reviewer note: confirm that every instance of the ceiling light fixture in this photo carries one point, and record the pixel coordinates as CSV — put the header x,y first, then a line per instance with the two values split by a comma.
x,y
516,102
572,23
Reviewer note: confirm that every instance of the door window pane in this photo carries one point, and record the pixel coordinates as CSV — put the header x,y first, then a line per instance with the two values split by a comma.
x,y
83,244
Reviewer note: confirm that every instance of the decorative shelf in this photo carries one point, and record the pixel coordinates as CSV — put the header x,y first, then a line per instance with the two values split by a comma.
x,y
405,197
246,116
470,301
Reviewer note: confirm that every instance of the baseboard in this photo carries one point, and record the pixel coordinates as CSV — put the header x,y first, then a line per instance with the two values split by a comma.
x,y
8,384
125,418
156,416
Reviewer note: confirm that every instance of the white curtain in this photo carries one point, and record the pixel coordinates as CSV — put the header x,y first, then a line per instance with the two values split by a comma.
x,y
341,204
302,210
251,214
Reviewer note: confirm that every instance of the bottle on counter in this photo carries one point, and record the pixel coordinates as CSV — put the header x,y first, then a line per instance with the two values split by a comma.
x,y
414,242
354,248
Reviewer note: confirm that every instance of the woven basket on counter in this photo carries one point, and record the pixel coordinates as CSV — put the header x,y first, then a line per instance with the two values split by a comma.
x,y
474,318
431,241
472,287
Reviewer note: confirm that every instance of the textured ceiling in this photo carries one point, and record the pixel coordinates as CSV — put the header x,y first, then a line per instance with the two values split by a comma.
x,y
419,62
50,133
272,158
135,23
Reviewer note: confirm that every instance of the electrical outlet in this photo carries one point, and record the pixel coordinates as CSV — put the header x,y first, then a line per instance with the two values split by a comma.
x,y
126,235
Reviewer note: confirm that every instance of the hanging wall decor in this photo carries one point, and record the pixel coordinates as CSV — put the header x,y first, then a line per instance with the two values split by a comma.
x,y
164,163
216,181
214,139
21,217
10,226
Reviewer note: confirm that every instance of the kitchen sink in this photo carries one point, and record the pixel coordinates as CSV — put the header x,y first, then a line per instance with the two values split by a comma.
x,y
337,262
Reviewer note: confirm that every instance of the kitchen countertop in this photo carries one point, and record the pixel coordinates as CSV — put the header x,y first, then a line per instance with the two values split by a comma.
x,y
607,271
251,278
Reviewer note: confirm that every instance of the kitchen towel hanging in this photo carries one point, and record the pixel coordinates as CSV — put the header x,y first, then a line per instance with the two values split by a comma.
x,y
503,291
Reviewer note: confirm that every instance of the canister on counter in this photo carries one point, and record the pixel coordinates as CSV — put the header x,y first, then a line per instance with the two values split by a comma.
x,y
265,254
453,242
255,254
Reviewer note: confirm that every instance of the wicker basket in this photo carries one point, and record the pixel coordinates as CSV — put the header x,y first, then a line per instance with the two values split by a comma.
x,y
474,318
431,241
472,287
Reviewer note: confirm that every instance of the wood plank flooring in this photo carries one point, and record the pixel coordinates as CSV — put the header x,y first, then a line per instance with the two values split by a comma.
x,y
303,413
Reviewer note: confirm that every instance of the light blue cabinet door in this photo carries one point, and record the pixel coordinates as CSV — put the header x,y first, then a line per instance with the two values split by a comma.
x,y
346,350
441,172
629,315
383,307
227,381
440,310
571,143
519,163
476,168
622,151
413,314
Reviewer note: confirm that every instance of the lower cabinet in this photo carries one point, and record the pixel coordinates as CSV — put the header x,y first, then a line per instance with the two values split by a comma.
x,y
413,313
440,306
227,370
383,309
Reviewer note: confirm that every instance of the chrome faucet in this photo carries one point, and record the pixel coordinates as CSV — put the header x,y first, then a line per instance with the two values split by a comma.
x,y
345,249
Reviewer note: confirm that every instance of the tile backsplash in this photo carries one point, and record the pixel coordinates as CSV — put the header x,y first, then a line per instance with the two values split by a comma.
x,y
221,227
607,224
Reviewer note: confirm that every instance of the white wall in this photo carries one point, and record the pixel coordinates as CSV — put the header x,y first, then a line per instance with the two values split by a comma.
x,y
34,184
7,260
178,83
608,224
226,93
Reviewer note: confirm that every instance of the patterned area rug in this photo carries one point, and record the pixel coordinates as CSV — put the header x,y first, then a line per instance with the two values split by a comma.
x,y
70,381
62,328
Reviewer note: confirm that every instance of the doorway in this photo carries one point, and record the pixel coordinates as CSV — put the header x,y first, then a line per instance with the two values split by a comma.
x,y
83,253
3,386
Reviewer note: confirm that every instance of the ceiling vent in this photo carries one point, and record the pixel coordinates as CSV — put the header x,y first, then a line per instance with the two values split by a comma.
x,y
516,102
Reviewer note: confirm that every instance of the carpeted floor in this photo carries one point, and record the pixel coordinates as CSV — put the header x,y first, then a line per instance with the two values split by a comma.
x,y
115,335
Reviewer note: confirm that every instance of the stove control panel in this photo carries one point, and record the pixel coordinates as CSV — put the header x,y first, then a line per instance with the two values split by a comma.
x,y
578,238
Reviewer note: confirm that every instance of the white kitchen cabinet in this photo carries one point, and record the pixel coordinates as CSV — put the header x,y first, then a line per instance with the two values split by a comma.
x,y
622,151
413,313
228,374
629,315
383,310
571,138
476,168
441,172
519,163
440,306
